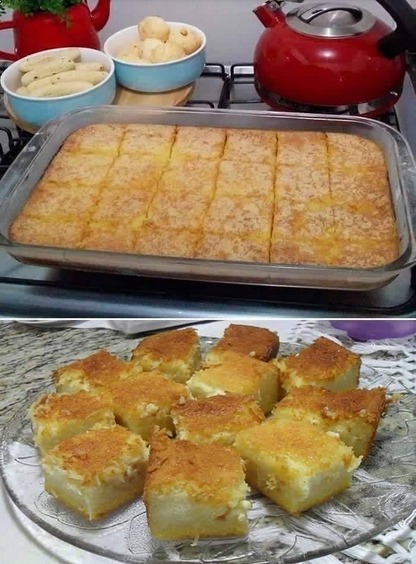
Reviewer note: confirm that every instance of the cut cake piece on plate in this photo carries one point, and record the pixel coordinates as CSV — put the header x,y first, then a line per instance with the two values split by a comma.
x,y
216,419
175,353
194,490
56,417
97,471
353,414
324,363
295,464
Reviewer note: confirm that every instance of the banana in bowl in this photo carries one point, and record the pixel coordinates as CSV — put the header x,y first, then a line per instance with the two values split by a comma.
x,y
51,83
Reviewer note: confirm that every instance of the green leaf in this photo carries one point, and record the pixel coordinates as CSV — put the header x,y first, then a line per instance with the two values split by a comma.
x,y
29,7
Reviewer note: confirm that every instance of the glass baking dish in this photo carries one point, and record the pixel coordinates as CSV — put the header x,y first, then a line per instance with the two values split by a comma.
x,y
31,163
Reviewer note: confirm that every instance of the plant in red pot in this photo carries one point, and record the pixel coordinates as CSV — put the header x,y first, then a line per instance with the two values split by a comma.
x,y
49,24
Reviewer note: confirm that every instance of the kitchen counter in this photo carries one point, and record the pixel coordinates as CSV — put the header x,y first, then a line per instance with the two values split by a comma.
x,y
29,353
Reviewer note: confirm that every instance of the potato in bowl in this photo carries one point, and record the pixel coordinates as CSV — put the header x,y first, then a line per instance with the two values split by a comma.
x,y
51,83
157,56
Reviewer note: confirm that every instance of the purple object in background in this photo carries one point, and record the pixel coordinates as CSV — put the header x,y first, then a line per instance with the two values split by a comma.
x,y
369,330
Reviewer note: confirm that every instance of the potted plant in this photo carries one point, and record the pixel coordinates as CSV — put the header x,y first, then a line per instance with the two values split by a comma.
x,y
47,24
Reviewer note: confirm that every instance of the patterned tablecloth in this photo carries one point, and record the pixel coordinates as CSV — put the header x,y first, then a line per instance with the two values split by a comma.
x,y
396,357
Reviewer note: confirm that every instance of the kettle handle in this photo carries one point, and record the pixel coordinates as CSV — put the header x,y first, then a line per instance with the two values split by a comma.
x,y
404,36
4,54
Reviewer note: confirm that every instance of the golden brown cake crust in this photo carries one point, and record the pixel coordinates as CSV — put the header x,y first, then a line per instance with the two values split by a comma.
x,y
219,413
335,405
320,360
295,439
101,368
203,470
258,342
168,345
89,453
152,387
68,406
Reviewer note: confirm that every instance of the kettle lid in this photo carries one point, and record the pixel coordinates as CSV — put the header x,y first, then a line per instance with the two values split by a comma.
x,y
330,20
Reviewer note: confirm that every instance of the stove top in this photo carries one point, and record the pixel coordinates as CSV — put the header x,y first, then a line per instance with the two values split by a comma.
x,y
49,292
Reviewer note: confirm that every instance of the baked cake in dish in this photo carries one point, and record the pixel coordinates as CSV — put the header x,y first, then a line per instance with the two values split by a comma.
x,y
216,419
142,402
92,373
295,464
238,374
324,363
354,415
56,417
176,353
194,490
253,341
247,195
97,471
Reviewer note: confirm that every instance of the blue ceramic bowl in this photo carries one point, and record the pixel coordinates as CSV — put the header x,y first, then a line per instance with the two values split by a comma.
x,y
157,77
37,111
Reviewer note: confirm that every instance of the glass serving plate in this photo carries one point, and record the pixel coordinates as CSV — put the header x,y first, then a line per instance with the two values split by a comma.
x,y
383,493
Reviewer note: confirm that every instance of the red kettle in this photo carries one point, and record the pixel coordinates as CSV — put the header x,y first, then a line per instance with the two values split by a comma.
x,y
332,58
43,30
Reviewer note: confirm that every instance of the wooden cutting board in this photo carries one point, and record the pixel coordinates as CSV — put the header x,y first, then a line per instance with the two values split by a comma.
x,y
125,97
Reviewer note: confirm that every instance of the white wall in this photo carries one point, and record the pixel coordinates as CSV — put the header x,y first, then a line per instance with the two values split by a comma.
x,y
231,27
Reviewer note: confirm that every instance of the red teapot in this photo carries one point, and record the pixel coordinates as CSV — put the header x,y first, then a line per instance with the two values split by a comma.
x,y
328,56
43,30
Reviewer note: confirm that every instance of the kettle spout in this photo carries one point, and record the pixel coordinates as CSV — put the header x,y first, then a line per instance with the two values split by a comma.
x,y
100,14
270,13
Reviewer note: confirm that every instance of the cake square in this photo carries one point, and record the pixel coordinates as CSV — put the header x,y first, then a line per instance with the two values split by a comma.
x,y
354,186
103,138
78,169
45,231
175,353
216,419
97,471
61,203
249,145
348,150
243,180
238,374
111,236
56,417
229,247
352,224
194,490
143,402
316,251
169,242
362,253
140,174
240,216
295,464
257,342
354,414
198,143
122,206
300,183
302,148
324,363
302,221
94,372
148,139
178,210
196,176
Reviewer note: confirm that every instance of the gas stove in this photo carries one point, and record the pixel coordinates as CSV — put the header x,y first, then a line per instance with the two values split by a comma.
x,y
34,291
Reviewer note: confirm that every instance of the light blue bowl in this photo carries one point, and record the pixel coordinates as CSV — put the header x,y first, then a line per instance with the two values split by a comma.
x,y
158,77
37,111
